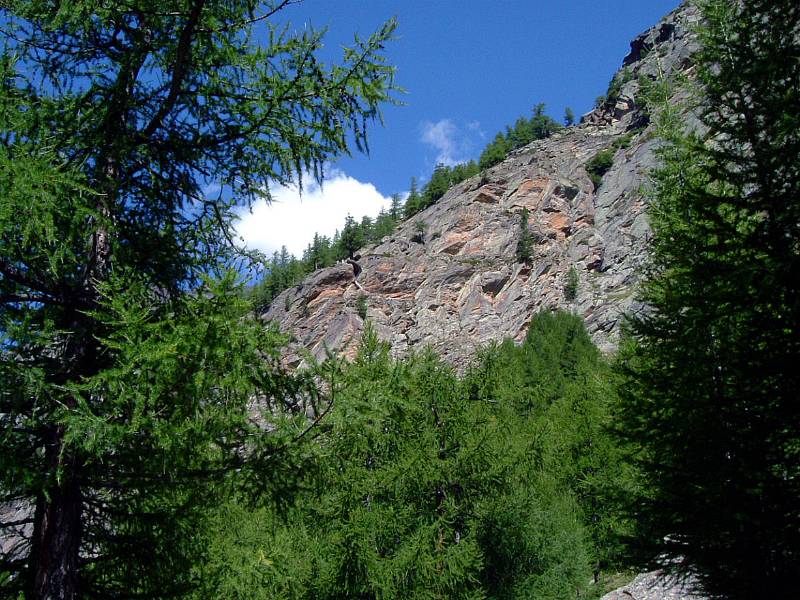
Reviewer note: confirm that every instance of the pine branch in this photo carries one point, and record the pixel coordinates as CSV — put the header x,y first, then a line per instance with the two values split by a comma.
x,y
180,69
248,22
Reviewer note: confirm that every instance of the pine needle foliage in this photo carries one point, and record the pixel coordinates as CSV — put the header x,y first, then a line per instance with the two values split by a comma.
x,y
712,382
571,285
524,250
128,362
496,484
524,131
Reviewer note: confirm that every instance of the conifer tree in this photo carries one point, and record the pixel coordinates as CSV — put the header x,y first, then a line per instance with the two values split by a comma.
x,y
494,152
569,117
427,486
396,209
128,362
464,171
524,251
384,225
314,256
571,284
351,240
413,202
538,127
437,186
712,378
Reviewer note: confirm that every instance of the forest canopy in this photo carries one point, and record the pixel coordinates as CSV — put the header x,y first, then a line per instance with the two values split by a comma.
x,y
429,485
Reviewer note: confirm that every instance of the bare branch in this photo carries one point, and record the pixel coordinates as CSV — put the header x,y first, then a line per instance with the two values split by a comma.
x,y
15,298
182,58
12,273
248,22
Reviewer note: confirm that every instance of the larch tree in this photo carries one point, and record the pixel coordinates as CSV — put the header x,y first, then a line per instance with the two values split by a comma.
x,y
712,379
352,238
413,201
569,117
396,208
433,486
128,365
524,251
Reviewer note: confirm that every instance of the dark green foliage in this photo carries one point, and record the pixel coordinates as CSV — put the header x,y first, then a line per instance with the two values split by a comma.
x,y
404,464
361,306
442,179
414,201
599,165
571,285
253,555
384,225
562,394
351,239
430,486
318,254
463,171
128,359
408,462
524,251
712,370
495,151
616,84
569,117
284,271
602,162
438,184
525,131
396,209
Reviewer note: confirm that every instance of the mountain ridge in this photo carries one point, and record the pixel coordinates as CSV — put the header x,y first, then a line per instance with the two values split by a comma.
x,y
448,277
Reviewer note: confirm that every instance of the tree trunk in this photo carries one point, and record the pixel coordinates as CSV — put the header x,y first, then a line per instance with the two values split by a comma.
x,y
55,548
56,540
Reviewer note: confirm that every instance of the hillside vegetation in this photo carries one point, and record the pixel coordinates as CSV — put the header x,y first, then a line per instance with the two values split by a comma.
x,y
423,484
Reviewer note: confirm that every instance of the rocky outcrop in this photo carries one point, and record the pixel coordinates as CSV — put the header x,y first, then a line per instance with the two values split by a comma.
x,y
17,519
448,278
654,586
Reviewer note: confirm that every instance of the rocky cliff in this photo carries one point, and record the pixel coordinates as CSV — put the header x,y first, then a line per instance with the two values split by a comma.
x,y
448,277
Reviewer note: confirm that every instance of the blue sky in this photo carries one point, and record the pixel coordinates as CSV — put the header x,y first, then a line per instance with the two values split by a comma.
x,y
469,67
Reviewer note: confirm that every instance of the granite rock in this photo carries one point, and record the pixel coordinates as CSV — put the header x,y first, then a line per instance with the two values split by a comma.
x,y
459,287
654,586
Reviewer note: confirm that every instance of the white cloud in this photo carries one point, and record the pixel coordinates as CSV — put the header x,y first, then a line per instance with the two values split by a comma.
x,y
475,127
291,220
446,138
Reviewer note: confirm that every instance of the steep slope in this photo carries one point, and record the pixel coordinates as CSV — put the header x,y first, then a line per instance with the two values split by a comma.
x,y
448,278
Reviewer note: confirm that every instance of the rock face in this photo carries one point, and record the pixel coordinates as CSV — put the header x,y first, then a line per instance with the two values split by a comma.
x,y
448,277
18,519
651,586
